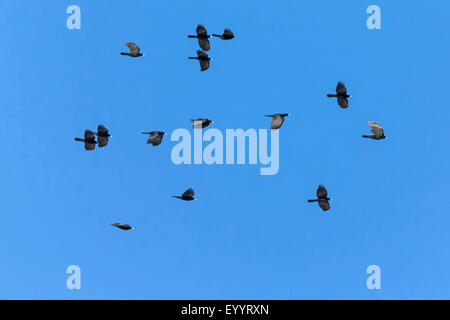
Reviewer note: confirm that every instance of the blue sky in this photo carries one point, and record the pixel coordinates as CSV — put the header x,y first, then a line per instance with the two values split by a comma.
x,y
249,236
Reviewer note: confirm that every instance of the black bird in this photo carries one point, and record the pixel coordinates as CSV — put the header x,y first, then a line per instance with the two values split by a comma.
x,y
341,95
121,226
89,140
203,37
201,123
227,35
187,196
322,198
277,120
377,130
135,51
204,60
103,136
155,137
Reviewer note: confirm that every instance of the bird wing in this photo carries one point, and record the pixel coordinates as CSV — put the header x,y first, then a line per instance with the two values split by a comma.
x,y
343,102
102,141
341,89
133,47
189,193
204,44
201,30
277,122
198,123
377,130
202,54
228,33
88,134
322,192
155,139
89,146
102,129
324,205
204,65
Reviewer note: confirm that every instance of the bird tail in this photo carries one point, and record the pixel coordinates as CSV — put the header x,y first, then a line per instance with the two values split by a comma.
x,y
78,139
124,53
315,200
176,197
193,58
331,95
364,136
192,36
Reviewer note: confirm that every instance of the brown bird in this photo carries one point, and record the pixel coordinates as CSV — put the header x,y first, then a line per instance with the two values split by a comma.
x,y
103,136
322,198
121,226
89,140
203,37
135,51
187,196
227,35
277,120
377,130
341,95
155,137
201,123
204,60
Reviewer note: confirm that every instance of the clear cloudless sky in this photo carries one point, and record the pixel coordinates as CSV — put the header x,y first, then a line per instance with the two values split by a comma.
x,y
248,236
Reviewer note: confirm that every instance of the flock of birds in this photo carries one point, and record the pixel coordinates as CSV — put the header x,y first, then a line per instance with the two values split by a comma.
x,y
156,137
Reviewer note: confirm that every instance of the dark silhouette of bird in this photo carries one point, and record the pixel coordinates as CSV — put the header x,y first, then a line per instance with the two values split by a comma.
x,y
187,196
89,140
121,226
377,130
227,35
103,136
135,51
155,137
277,120
204,60
322,198
341,95
201,123
203,37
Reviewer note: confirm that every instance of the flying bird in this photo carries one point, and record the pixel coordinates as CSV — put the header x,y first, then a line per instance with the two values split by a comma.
x,y
341,95
155,137
203,37
201,123
322,198
103,136
89,140
227,35
377,130
135,51
204,60
187,196
277,120
121,226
